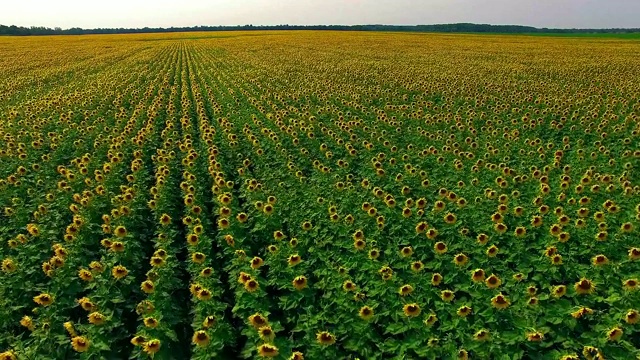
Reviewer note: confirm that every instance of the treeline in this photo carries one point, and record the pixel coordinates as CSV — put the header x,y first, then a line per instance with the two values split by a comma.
x,y
461,27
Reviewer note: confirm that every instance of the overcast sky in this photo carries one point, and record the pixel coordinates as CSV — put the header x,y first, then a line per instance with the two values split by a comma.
x,y
166,13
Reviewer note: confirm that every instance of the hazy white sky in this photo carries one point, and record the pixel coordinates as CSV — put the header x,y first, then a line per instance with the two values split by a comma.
x,y
166,13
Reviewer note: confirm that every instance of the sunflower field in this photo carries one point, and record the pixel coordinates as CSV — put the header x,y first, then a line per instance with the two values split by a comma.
x,y
319,195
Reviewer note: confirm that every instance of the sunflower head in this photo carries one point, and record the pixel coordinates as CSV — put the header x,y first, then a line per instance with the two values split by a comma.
x,y
325,338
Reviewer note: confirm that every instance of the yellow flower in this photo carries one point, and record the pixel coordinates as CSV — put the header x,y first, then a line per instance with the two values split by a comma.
x,y
266,333
500,302
8,265
493,281
138,340
559,291
440,247
151,322
294,259
27,322
581,312
147,286
447,295
632,317
300,282
267,350
200,338
43,299
614,334
85,275
464,311
535,336
152,346
482,335
251,285
8,355
411,310
97,318
405,290
630,284
258,321
584,286
366,312
325,338
80,344
119,272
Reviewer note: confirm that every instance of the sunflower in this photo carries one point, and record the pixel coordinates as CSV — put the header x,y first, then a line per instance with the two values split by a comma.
x,y
599,260
482,335
405,290
500,302
460,259
440,247
462,354
43,299
120,231
251,285
411,310
85,275
138,340
325,338
359,244
198,257
583,311
96,318
243,277
500,228
349,285
417,266
431,234
256,262
536,221
366,313
257,320
634,254
632,317
450,218
464,311
570,357
204,294
493,281
630,284
592,353
447,295
584,286
477,275
492,251
119,272
268,351
151,322
431,319
559,291
294,260
614,334
147,286
266,333
436,279
406,251
152,346
535,336
300,282
421,227
297,355
27,322
80,344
